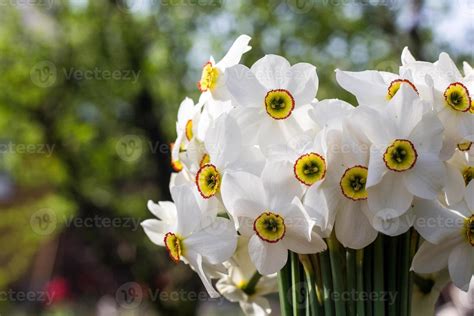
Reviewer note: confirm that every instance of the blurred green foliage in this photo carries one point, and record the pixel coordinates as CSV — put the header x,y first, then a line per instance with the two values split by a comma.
x,y
56,89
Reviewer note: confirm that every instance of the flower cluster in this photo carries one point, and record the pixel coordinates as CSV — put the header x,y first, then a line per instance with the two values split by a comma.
x,y
262,168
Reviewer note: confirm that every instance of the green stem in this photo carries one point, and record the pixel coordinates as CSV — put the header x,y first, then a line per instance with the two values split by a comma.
x,y
351,279
296,295
360,281
327,282
336,257
404,273
314,306
368,281
284,279
379,306
392,260
249,288
414,243
319,280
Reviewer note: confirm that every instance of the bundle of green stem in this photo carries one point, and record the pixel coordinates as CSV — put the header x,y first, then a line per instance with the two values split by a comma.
x,y
340,281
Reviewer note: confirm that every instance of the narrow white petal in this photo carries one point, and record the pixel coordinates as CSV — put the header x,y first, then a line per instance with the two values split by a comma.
x,y
188,211
156,230
268,258
235,52
469,196
223,141
303,83
377,167
244,87
427,177
301,245
279,183
434,222
432,258
367,86
390,194
272,71
196,261
353,229
216,243
242,190
461,265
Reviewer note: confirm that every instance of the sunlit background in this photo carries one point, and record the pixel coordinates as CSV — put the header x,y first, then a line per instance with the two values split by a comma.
x,y
89,92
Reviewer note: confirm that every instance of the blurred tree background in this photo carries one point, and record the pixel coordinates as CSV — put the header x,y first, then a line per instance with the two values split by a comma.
x,y
89,92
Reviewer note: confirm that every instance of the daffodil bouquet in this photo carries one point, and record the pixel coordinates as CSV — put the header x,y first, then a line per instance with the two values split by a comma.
x,y
342,209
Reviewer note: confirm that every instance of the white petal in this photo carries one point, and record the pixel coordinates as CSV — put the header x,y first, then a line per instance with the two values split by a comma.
x,y
386,222
303,83
242,190
427,177
407,57
279,183
454,186
188,211
156,230
235,52
216,243
268,258
377,167
427,134
244,87
406,110
432,258
353,229
272,71
257,306
469,196
320,202
390,194
434,222
301,245
223,141
196,261
461,265
367,86
329,112
164,210
185,111
448,67
249,121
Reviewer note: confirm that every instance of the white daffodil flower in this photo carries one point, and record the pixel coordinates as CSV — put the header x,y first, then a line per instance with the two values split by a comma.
x,y
191,236
223,144
342,197
266,96
449,235
244,285
404,156
376,88
451,94
269,211
460,172
187,129
212,84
